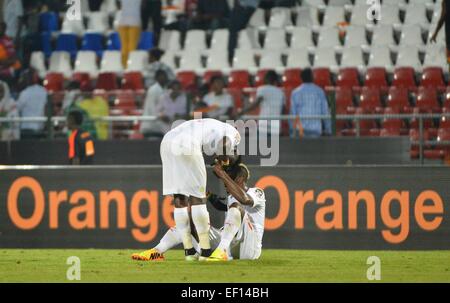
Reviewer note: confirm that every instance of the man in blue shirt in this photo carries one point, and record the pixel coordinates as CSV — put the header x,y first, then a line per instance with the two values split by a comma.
x,y
310,100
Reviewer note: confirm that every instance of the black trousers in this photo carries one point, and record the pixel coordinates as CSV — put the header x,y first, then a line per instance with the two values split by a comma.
x,y
152,10
239,18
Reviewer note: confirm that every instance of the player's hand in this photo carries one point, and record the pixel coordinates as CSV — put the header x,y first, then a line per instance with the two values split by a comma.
x,y
433,38
218,170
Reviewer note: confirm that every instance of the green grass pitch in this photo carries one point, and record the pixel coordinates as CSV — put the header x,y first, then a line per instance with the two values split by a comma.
x,y
36,265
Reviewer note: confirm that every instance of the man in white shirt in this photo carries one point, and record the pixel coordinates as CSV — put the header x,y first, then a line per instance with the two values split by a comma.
x,y
220,103
271,99
12,14
130,25
32,103
154,94
240,238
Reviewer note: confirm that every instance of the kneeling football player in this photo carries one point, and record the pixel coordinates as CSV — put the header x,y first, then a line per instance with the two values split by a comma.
x,y
242,233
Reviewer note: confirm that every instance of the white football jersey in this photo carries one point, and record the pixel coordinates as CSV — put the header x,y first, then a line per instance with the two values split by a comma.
x,y
257,212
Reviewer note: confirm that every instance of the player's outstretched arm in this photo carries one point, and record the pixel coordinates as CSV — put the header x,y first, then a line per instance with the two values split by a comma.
x,y
233,188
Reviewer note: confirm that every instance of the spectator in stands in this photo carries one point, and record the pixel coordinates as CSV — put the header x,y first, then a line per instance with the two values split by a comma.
x,y
31,39
154,65
72,95
210,15
130,24
9,64
220,102
239,18
154,93
95,106
95,5
32,103
13,14
443,19
152,10
172,106
309,100
8,109
81,144
271,100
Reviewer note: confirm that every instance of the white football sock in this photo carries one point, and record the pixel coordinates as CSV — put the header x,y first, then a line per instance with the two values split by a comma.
x,y
182,222
233,222
171,239
200,216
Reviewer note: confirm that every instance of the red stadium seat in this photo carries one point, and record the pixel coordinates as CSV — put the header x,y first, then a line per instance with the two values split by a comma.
x,y
433,77
404,77
208,75
133,81
445,121
367,127
236,93
322,77
427,99
292,78
344,99
398,98
259,78
439,151
414,136
447,98
239,79
188,80
390,132
107,81
348,77
125,100
84,79
393,125
376,77
370,99
54,82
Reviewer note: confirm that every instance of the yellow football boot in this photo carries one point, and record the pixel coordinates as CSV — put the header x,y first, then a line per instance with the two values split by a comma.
x,y
218,255
148,255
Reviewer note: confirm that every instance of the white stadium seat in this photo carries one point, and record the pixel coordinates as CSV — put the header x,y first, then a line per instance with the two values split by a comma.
x,y
218,60
390,14
411,34
258,18
325,57
329,37
436,55
169,59
359,15
271,60
60,63
98,22
307,16
37,62
301,37
355,36
339,2
408,56
298,58
352,57
137,61
111,62
247,39
219,39
275,39
86,62
191,60
333,15
244,59
380,56
170,40
416,14
280,18
383,34
313,2
195,39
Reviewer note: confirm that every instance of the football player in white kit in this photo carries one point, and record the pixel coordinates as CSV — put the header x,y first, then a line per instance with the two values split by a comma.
x,y
184,175
242,234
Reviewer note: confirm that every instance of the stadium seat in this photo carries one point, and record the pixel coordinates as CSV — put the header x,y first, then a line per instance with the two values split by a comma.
x,y
137,61
298,58
86,62
392,126
322,77
195,40
54,82
359,14
411,35
191,60
325,57
344,99
218,60
170,40
398,99
367,127
445,121
93,42
416,14
133,81
390,14
98,22
427,99
67,43
48,22
348,77
433,77
333,15
280,17
248,39
109,6
244,59
219,39
259,77
125,100
301,38
408,56
307,16
355,36
188,80
60,63
271,60
84,79
314,3
146,41
436,56
443,135
383,35
107,81
275,39
111,62
37,62
239,79
114,42
46,43
73,27
209,74
376,76
414,136
292,78
404,77
352,57
328,37
169,59
370,100
258,18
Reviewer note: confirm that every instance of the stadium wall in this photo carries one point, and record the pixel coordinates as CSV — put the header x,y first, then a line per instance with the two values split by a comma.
x,y
308,207
308,151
